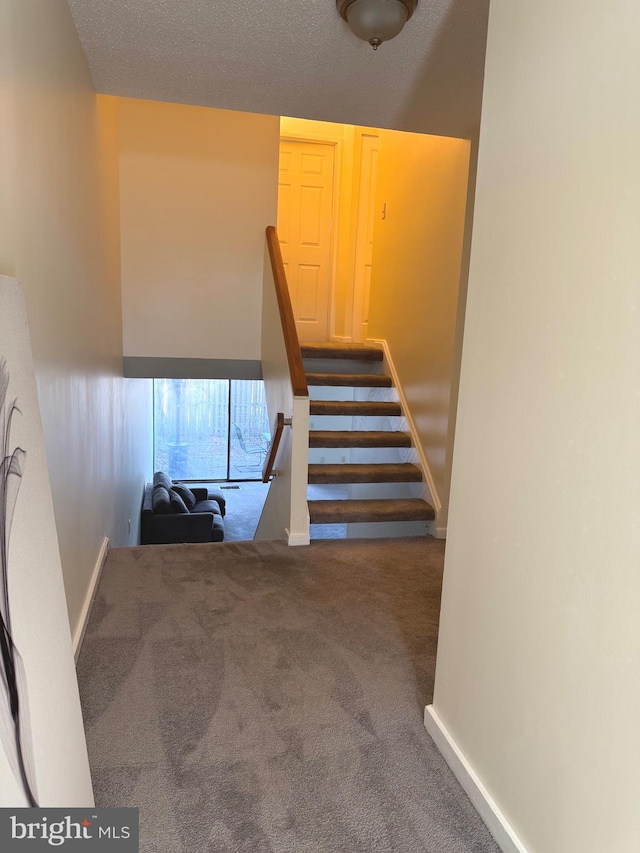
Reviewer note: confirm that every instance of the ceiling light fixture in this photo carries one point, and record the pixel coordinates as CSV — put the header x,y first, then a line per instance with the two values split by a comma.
x,y
376,21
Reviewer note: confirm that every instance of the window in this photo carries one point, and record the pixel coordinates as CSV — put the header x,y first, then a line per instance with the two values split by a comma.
x,y
210,429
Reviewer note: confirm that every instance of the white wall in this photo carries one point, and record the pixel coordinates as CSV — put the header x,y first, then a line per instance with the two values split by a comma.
x,y
51,743
461,310
537,677
198,188
58,199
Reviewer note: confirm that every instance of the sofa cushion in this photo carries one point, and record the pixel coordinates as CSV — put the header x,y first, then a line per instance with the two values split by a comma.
x,y
177,504
161,479
207,506
186,494
161,501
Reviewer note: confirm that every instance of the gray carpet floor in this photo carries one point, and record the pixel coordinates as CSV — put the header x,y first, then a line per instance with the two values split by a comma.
x,y
254,698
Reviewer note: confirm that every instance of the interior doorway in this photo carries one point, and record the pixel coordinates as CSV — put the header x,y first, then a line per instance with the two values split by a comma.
x,y
305,219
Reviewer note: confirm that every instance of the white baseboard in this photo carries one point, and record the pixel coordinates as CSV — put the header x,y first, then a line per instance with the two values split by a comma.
x,y
416,453
297,538
440,533
81,627
484,804
341,339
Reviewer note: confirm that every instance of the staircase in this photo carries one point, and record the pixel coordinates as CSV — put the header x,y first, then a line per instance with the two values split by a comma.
x,y
352,401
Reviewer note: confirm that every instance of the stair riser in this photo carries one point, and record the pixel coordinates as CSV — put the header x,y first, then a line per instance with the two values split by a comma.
x,y
362,491
348,394
345,455
331,422
337,394
363,519
378,530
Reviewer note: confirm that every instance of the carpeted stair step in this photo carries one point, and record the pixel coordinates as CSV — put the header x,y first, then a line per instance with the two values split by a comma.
x,y
356,352
402,472
350,380
358,438
345,512
354,407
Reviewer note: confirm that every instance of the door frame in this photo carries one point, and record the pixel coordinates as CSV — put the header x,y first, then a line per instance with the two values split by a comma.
x,y
322,139
354,317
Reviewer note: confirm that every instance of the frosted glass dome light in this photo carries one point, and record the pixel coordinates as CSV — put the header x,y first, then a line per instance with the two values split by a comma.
x,y
376,21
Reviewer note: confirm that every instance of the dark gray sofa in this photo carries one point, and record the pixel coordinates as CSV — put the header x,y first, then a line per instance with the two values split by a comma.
x,y
163,524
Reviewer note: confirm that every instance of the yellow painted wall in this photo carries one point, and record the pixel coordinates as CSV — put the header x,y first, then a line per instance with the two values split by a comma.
x,y
537,679
417,252
198,187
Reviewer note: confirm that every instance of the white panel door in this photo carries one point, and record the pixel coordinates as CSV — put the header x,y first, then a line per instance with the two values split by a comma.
x,y
364,235
305,203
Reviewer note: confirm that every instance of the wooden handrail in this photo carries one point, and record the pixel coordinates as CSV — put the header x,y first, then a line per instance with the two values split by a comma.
x,y
291,342
270,459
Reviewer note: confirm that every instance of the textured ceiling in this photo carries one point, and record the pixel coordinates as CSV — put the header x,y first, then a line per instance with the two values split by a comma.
x,y
291,57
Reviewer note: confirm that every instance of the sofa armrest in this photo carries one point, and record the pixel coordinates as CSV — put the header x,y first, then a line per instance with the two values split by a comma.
x,y
217,496
147,500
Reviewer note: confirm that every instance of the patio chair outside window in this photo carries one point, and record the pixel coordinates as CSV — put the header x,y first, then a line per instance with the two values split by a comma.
x,y
255,453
